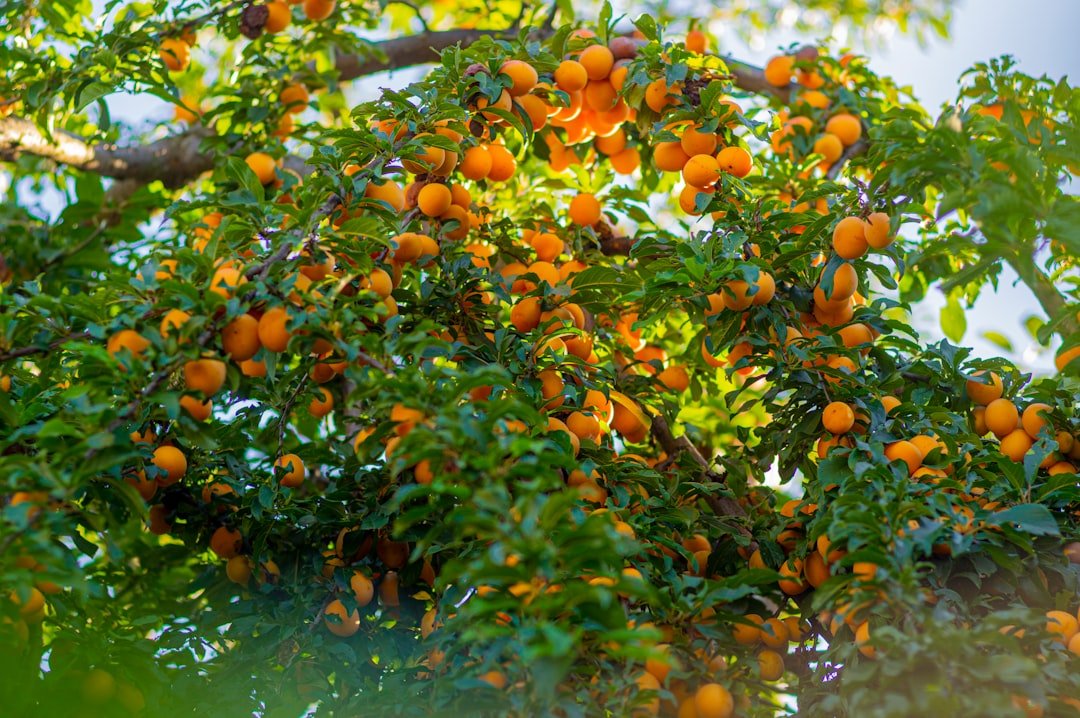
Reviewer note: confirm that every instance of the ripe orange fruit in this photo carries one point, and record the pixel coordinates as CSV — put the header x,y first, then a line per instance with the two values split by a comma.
x,y
845,281
712,700
849,238
387,191
701,171
294,470
127,339
984,392
338,619
694,142
1034,419
845,127
1063,624
774,634
240,338
584,210
736,295
770,665
571,76
904,451
1065,357
272,329
675,378
877,230
475,163
205,375
263,166
735,161
597,61
434,199
658,95
226,542
779,70
279,18
503,164
175,53
1016,444
696,41
318,9
829,147
172,462
525,315
838,418
793,582
670,157
293,97
1001,417
862,637
522,76
362,587
321,405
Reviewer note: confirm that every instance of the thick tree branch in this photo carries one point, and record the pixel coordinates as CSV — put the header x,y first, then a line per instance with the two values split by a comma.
x,y
407,51
175,160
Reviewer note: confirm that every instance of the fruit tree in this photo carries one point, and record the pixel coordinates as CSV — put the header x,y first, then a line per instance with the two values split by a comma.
x,y
568,373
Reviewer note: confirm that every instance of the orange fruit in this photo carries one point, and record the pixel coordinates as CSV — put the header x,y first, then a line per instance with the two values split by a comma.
x,y
278,18
434,199
1034,420
318,9
1001,417
585,210
845,127
294,470
172,462
127,340
984,392
694,142
293,97
522,75
829,147
849,238
838,418
272,330
701,171
205,375
597,61
770,665
175,53
263,166
877,230
712,700
779,70
337,618
240,338
904,451
503,164
1016,444
571,76
670,157
735,161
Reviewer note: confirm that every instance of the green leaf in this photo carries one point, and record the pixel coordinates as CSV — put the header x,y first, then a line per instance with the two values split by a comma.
x,y
998,339
1034,519
953,320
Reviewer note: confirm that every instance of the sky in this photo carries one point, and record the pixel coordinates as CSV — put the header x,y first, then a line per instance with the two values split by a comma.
x,y
1039,33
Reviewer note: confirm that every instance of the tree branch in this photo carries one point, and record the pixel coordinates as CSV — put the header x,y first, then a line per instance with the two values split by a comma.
x,y
175,160
852,151
420,49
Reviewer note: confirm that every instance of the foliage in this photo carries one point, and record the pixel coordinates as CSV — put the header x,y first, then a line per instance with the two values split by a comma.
x,y
551,435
